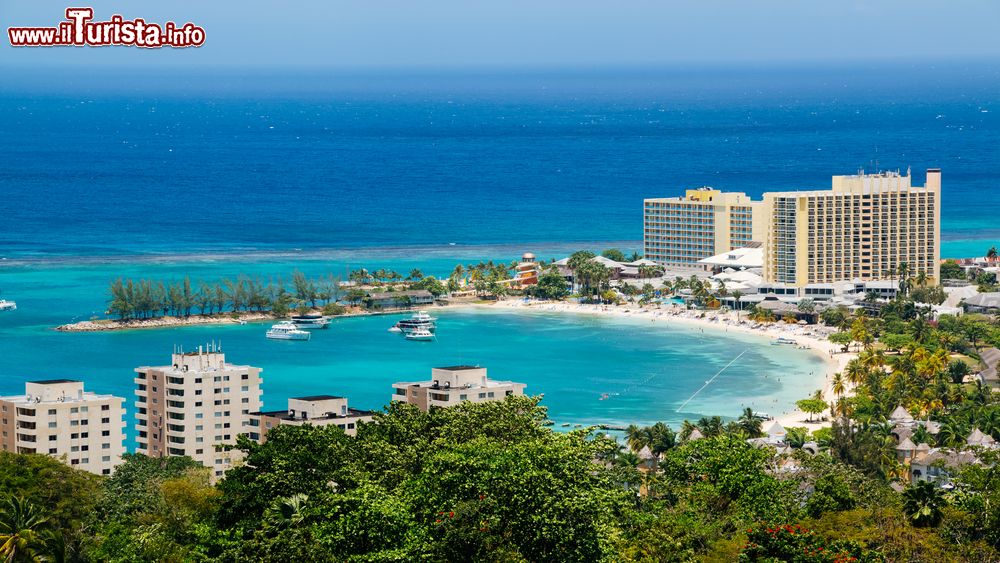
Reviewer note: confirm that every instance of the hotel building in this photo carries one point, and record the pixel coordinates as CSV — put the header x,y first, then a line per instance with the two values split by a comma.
x,y
195,407
859,230
57,417
318,410
680,231
450,386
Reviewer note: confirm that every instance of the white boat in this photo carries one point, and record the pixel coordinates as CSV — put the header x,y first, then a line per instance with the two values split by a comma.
x,y
287,331
419,321
783,340
7,305
310,322
419,334
395,328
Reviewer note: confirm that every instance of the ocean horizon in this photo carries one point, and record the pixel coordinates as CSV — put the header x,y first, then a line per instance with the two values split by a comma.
x,y
210,163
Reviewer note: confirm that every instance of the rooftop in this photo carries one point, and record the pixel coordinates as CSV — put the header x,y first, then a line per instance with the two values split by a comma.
x,y
316,398
459,368
54,381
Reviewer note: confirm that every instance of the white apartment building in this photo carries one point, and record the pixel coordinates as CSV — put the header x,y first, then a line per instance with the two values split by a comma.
x,y
317,410
449,386
57,417
195,407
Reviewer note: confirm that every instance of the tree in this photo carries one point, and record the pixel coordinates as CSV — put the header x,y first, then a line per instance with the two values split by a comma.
x,y
807,306
922,502
614,254
750,424
577,261
551,285
23,532
951,270
842,339
811,406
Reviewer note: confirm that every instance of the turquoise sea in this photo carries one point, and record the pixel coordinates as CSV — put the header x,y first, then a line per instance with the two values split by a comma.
x,y
212,174
647,368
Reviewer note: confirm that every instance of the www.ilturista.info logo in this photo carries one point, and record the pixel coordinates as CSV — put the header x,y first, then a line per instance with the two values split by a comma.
x,y
79,30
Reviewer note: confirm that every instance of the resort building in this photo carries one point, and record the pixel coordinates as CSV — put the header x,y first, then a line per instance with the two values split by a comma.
x,y
57,417
450,386
399,299
527,270
195,407
863,228
703,223
318,410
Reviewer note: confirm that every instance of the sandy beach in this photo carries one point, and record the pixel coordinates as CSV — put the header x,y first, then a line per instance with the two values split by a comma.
x,y
812,337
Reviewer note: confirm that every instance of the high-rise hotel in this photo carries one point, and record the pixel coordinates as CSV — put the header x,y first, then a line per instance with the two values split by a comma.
x,y
682,230
862,228
196,406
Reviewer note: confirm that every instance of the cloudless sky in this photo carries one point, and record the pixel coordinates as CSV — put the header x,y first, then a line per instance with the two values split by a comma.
x,y
530,33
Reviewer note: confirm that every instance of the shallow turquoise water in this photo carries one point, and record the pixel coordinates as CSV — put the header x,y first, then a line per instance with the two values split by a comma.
x,y
647,369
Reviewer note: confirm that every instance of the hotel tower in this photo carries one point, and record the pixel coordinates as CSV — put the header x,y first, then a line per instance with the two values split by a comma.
x,y
680,231
862,228
196,406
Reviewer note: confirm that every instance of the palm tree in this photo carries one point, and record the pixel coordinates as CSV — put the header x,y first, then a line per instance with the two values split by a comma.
x,y
636,437
750,424
22,532
796,437
991,254
922,502
904,277
287,512
839,386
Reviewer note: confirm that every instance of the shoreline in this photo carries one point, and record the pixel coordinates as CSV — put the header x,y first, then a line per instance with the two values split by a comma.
x,y
806,337
111,325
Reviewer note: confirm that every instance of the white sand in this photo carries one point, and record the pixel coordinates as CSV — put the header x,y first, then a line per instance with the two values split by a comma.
x,y
812,337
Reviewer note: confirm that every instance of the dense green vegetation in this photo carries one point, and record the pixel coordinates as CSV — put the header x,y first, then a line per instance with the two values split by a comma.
x,y
489,482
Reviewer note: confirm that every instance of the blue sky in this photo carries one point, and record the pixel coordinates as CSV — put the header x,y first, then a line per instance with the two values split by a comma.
x,y
532,33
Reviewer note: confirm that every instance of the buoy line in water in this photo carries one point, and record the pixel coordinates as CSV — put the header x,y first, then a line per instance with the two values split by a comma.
x,y
707,383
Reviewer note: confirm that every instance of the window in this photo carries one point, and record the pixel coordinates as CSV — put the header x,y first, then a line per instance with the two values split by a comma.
x,y
53,451
53,424
106,458
105,472
105,432
52,412
53,438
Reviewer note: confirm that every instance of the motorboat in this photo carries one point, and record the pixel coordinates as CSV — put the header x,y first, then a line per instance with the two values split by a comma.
x,y
419,334
783,340
287,330
7,305
419,321
310,322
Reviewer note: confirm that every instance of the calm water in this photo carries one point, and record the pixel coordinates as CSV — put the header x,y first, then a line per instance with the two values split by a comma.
x,y
98,165
647,369
213,175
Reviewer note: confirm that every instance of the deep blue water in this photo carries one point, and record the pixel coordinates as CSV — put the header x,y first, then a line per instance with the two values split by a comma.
x,y
101,166
210,175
